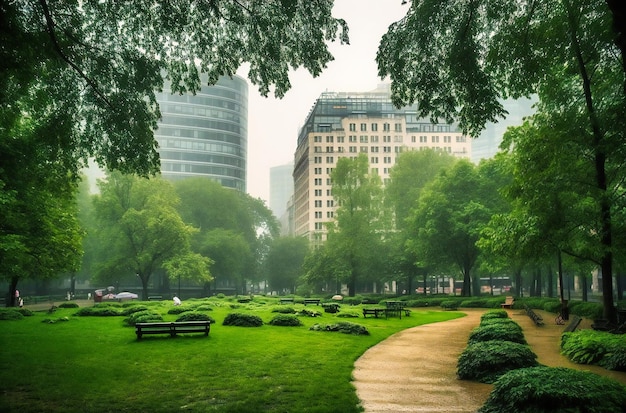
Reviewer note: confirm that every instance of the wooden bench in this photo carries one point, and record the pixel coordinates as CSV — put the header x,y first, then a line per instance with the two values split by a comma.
x,y
286,300
155,298
573,324
508,302
537,319
173,328
315,301
374,311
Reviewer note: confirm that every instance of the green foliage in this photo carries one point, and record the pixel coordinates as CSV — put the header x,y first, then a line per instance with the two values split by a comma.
x,y
55,320
595,347
449,304
178,309
68,305
99,311
145,316
10,314
307,312
287,320
204,307
494,314
583,309
486,361
134,309
242,320
554,389
504,322
342,327
348,314
502,332
283,309
195,316
25,312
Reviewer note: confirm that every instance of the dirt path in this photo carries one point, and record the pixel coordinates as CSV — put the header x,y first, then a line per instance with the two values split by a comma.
x,y
415,369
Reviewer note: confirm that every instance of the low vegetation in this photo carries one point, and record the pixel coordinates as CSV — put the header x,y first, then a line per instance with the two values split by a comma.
x,y
595,347
554,389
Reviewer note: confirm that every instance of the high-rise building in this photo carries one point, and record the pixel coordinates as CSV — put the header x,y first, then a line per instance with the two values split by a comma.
x,y
205,134
345,125
281,188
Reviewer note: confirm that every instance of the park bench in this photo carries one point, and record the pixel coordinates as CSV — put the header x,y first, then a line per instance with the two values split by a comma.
x,y
315,301
173,328
285,300
155,298
396,308
573,324
374,311
537,319
508,302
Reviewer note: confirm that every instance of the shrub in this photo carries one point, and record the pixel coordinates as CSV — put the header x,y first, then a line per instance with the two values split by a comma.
x,y
505,322
494,314
10,314
134,309
220,295
25,312
283,309
287,320
351,300
146,316
555,389
475,303
342,327
179,309
68,305
586,309
595,347
195,316
309,313
54,320
348,314
552,306
488,360
502,332
204,307
99,311
242,320
449,304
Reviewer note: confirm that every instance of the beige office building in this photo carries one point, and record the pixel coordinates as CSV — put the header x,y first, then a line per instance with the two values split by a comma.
x,y
346,125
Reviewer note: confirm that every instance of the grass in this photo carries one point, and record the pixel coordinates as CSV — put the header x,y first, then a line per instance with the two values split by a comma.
x,y
96,364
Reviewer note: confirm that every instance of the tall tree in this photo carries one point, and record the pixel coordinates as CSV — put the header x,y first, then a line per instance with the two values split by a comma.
x,y
457,59
141,228
284,264
360,218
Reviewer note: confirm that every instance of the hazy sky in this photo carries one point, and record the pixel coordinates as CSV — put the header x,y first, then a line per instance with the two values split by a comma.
x,y
273,124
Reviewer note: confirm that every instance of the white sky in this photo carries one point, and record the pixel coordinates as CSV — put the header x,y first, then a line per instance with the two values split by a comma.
x,y
273,124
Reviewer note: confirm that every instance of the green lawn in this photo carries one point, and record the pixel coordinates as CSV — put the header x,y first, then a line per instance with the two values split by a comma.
x,y
96,364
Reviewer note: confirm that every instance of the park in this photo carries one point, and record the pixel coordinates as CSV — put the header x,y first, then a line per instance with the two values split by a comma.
x,y
60,361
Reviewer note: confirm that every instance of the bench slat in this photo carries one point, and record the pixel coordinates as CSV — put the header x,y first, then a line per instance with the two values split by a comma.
x,y
173,328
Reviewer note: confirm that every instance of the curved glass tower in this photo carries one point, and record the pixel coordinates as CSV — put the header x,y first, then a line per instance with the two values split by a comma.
x,y
205,134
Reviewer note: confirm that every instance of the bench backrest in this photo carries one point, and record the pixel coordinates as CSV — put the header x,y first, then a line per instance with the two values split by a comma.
x,y
509,300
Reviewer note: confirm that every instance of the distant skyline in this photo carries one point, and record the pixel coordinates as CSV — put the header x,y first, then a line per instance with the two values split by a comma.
x,y
273,124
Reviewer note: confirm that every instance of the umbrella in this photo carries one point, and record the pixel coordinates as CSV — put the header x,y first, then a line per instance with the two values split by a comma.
x,y
337,297
126,294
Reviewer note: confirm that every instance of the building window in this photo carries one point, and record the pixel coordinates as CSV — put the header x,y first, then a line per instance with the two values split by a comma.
x,y
398,127
319,226
460,139
330,159
318,171
435,139
397,138
374,159
340,149
318,192
318,214
318,204
447,139
330,203
423,139
317,138
387,149
386,127
328,182
363,138
375,171
340,139
397,149
353,127
352,138
363,149
413,140
386,138
330,214
329,192
318,159
318,181
330,149
374,139
363,127
352,149
329,171
387,159
374,127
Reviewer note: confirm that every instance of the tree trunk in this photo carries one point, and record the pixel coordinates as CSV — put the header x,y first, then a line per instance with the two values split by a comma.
x,y
12,288
467,283
550,281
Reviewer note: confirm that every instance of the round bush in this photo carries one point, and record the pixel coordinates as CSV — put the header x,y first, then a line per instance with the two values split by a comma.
x,y
68,305
309,313
494,314
342,327
106,311
595,347
449,304
204,307
505,322
10,314
283,309
348,314
500,332
242,320
146,316
555,389
488,360
134,309
287,320
179,310
195,316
